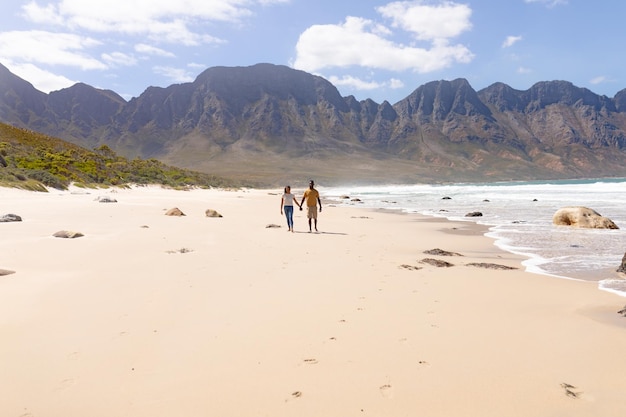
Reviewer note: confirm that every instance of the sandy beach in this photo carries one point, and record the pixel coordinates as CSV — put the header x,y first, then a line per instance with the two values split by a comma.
x,y
148,315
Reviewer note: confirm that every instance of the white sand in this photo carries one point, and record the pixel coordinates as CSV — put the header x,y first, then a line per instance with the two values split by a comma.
x,y
195,316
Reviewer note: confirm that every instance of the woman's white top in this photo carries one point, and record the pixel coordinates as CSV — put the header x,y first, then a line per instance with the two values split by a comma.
x,y
288,199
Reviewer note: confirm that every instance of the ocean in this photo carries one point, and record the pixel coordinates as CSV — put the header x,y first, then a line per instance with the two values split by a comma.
x,y
519,217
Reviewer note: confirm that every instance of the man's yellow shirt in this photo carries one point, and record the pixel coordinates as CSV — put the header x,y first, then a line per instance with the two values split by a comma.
x,y
311,197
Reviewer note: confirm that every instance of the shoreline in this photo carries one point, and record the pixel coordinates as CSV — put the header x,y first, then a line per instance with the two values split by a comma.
x,y
152,315
520,217
596,276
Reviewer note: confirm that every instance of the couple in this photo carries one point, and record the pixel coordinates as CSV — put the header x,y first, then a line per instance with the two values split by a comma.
x,y
312,197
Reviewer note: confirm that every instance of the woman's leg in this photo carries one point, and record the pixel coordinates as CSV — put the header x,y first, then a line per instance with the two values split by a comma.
x,y
289,215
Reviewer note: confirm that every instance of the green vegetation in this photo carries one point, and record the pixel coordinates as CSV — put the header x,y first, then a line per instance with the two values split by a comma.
x,y
34,161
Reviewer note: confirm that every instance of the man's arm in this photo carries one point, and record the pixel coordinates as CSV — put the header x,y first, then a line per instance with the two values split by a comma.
x,y
302,202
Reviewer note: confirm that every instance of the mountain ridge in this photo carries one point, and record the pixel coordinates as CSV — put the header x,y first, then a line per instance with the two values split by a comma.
x,y
271,123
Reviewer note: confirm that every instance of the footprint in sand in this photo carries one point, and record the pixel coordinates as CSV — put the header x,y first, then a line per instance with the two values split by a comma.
x,y
73,356
294,395
569,390
386,391
65,384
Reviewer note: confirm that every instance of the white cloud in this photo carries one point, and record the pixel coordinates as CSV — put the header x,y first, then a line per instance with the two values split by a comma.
x,y
394,84
524,70
48,14
176,75
358,42
429,22
143,48
362,85
510,41
549,3
271,2
42,80
599,80
165,20
48,48
119,59
354,82
196,65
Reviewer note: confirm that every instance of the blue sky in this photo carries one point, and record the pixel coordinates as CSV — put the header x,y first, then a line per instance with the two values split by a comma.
x,y
381,50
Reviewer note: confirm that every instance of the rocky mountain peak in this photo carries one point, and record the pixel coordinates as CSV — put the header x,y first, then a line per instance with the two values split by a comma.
x,y
239,86
437,100
246,120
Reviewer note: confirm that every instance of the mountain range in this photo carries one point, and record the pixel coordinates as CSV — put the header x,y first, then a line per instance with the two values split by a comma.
x,y
272,124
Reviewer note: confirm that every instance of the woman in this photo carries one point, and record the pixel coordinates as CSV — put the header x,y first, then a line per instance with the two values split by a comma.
x,y
287,202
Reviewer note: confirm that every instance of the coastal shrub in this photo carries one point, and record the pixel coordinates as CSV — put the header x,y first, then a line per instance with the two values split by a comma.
x,y
31,156
48,179
31,185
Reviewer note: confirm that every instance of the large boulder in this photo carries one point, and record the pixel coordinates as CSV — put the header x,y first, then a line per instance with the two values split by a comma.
x,y
583,217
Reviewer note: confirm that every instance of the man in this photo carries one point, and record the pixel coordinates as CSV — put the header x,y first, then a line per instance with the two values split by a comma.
x,y
312,199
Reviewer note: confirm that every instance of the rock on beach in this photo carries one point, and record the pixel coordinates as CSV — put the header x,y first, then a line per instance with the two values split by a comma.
x,y
10,218
106,199
174,212
66,234
212,213
582,217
